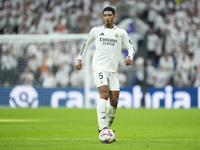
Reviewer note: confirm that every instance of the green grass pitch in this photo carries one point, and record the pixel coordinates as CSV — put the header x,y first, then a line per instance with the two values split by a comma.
x,y
76,129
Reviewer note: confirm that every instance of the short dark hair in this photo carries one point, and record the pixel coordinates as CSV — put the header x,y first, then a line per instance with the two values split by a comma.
x,y
109,9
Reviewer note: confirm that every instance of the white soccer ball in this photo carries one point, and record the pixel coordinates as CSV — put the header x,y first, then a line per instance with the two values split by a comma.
x,y
107,136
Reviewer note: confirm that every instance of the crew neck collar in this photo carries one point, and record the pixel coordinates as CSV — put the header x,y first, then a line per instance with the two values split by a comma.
x,y
109,28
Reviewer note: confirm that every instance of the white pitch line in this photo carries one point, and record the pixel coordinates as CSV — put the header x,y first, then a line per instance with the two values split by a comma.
x,y
89,139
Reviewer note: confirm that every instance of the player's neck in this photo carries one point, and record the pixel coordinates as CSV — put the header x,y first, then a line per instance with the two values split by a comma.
x,y
109,26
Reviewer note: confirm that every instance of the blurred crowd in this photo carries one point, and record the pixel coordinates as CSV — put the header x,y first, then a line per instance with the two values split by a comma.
x,y
172,41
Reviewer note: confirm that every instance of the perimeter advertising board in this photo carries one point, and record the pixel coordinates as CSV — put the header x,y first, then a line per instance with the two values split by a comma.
x,y
167,97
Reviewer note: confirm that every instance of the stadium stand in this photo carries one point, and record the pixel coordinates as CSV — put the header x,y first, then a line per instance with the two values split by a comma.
x,y
172,41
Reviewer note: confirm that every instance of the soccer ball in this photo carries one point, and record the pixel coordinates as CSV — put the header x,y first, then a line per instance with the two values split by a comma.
x,y
107,136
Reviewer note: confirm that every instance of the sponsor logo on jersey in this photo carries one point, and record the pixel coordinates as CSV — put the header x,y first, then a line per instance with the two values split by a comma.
x,y
107,41
101,33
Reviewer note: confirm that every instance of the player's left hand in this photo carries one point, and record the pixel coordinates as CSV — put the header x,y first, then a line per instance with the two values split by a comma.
x,y
79,64
128,61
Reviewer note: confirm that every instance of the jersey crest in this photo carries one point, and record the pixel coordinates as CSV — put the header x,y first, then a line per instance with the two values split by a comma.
x,y
116,35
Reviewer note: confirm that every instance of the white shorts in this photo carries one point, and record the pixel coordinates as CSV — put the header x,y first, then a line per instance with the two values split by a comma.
x,y
106,78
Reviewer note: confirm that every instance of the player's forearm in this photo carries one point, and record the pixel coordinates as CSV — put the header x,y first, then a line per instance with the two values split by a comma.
x,y
83,50
131,52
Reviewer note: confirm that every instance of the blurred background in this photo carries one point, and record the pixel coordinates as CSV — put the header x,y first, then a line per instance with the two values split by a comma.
x,y
166,34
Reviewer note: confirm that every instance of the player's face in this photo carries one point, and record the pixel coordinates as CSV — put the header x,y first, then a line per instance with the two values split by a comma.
x,y
108,18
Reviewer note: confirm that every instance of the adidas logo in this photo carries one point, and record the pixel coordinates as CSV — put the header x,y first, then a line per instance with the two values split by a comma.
x,y
101,33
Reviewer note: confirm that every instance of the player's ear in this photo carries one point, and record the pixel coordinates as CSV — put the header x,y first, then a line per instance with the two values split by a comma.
x,y
103,18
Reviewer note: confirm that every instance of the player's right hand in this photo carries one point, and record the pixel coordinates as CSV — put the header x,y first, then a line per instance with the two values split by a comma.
x,y
79,64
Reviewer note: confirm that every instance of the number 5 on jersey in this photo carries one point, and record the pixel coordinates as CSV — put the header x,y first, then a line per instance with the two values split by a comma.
x,y
100,75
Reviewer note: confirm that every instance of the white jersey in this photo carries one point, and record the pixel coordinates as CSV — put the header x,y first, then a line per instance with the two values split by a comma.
x,y
108,43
